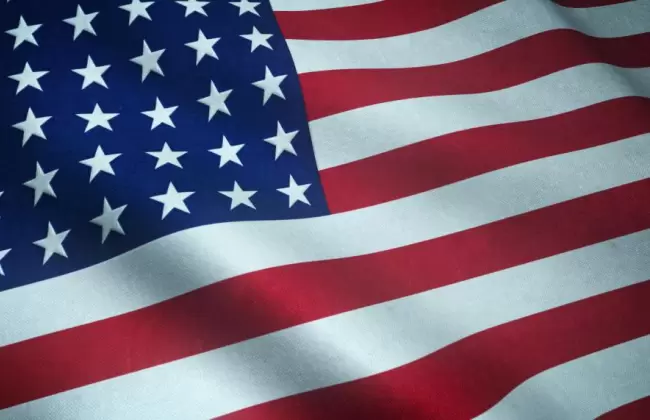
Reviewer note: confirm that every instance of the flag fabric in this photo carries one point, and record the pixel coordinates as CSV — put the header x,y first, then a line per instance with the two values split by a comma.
x,y
321,209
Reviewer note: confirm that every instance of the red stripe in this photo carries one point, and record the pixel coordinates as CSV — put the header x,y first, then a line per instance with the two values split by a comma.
x,y
637,410
451,158
377,20
589,3
258,303
332,92
468,377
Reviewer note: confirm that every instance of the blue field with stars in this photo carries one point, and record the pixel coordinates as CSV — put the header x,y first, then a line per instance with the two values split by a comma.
x,y
123,122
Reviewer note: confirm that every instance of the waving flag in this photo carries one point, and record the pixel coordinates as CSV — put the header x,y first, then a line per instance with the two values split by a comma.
x,y
324,209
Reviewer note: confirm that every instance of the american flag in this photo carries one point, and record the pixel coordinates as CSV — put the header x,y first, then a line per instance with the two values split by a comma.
x,y
324,209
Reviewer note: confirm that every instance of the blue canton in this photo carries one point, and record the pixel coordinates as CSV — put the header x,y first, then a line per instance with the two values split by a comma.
x,y
125,121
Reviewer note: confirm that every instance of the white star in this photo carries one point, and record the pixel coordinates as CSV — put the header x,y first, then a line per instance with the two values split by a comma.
x,y
109,220
149,61
192,6
271,85
23,32
98,118
100,163
167,156
173,199
82,22
2,255
203,46
295,192
216,101
32,126
52,243
92,74
137,9
258,39
28,78
42,183
282,141
161,115
239,196
246,6
228,152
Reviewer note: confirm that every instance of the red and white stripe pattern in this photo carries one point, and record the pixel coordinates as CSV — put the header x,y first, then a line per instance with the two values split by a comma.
x,y
488,167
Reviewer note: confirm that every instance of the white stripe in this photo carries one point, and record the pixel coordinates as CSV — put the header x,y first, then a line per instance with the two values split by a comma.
x,y
480,32
304,5
582,389
352,345
364,132
197,257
